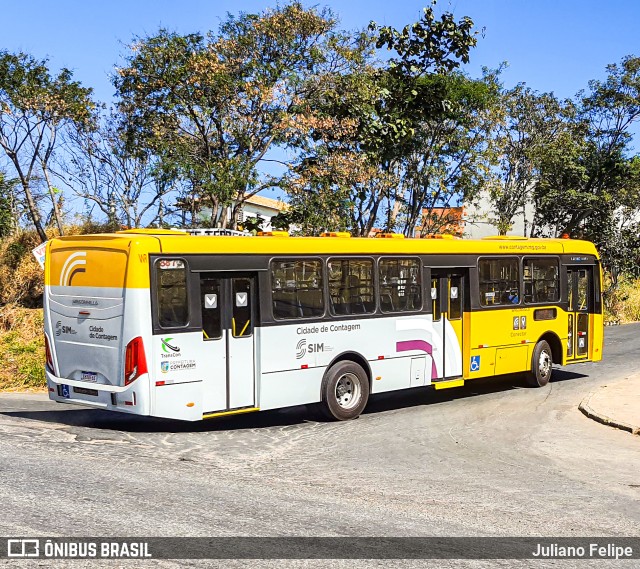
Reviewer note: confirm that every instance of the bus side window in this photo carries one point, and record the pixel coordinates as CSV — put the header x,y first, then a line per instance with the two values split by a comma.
x,y
173,301
499,281
351,286
297,289
400,285
455,298
541,280
435,301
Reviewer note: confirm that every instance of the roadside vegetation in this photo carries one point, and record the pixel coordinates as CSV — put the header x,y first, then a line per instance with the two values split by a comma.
x,y
22,349
21,336
21,319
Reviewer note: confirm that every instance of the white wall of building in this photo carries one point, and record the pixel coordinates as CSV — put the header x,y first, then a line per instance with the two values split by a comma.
x,y
477,218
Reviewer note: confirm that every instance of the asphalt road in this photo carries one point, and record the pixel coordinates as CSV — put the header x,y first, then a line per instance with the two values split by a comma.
x,y
492,459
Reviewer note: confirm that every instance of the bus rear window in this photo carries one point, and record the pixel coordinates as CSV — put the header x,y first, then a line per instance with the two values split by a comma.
x,y
173,302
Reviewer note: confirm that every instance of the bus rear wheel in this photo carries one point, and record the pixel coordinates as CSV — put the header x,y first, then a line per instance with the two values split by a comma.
x,y
541,365
345,391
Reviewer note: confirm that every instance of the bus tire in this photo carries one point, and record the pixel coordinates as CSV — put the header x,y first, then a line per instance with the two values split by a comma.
x,y
541,365
344,391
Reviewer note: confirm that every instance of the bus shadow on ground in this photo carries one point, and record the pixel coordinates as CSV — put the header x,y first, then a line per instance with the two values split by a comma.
x,y
412,398
299,415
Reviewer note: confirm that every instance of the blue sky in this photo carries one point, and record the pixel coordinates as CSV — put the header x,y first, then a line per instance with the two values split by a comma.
x,y
551,45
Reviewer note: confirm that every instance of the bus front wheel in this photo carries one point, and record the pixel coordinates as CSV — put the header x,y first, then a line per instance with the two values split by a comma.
x,y
541,365
345,391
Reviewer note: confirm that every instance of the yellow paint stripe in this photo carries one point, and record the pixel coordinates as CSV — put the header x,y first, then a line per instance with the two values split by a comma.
x,y
447,384
245,328
235,412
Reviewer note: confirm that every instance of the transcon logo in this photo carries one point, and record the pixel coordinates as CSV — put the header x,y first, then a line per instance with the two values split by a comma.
x,y
73,265
167,348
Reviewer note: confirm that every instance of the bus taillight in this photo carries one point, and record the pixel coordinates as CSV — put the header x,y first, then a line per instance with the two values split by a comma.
x,y
135,362
47,349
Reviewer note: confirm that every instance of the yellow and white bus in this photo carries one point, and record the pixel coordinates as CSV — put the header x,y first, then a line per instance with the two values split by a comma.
x,y
174,325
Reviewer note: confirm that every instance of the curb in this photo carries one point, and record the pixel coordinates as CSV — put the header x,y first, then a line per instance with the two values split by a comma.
x,y
603,419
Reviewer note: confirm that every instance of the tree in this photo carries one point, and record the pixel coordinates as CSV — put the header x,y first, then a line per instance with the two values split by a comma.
x,y
214,108
8,216
448,162
402,128
424,134
336,182
589,184
127,186
34,107
527,124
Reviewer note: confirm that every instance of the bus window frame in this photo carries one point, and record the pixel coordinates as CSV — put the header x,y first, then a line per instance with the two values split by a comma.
x,y
421,270
561,289
194,323
324,288
520,302
376,309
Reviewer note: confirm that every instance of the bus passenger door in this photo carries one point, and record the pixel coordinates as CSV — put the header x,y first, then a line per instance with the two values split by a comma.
x,y
447,297
580,285
228,320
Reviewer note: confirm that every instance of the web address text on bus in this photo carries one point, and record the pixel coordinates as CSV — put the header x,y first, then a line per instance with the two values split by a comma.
x,y
523,247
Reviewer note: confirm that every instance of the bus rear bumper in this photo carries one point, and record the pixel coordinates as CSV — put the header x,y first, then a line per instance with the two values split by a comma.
x,y
126,399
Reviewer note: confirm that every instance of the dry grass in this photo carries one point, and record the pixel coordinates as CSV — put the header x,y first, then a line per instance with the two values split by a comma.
x,y
22,356
21,278
623,305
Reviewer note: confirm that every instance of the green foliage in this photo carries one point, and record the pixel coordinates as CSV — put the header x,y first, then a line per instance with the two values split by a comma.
x,y
7,221
252,224
369,129
429,45
396,140
21,348
213,106
34,106
589,182
527,126
14,253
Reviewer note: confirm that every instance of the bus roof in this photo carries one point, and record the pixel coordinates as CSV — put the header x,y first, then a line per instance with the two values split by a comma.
x,y
178,242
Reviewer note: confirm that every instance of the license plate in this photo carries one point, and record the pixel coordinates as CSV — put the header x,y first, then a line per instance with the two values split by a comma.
x,y
85,391
89,376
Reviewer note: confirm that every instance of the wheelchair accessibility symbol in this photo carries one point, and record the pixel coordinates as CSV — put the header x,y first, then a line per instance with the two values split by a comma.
x,y
475,363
